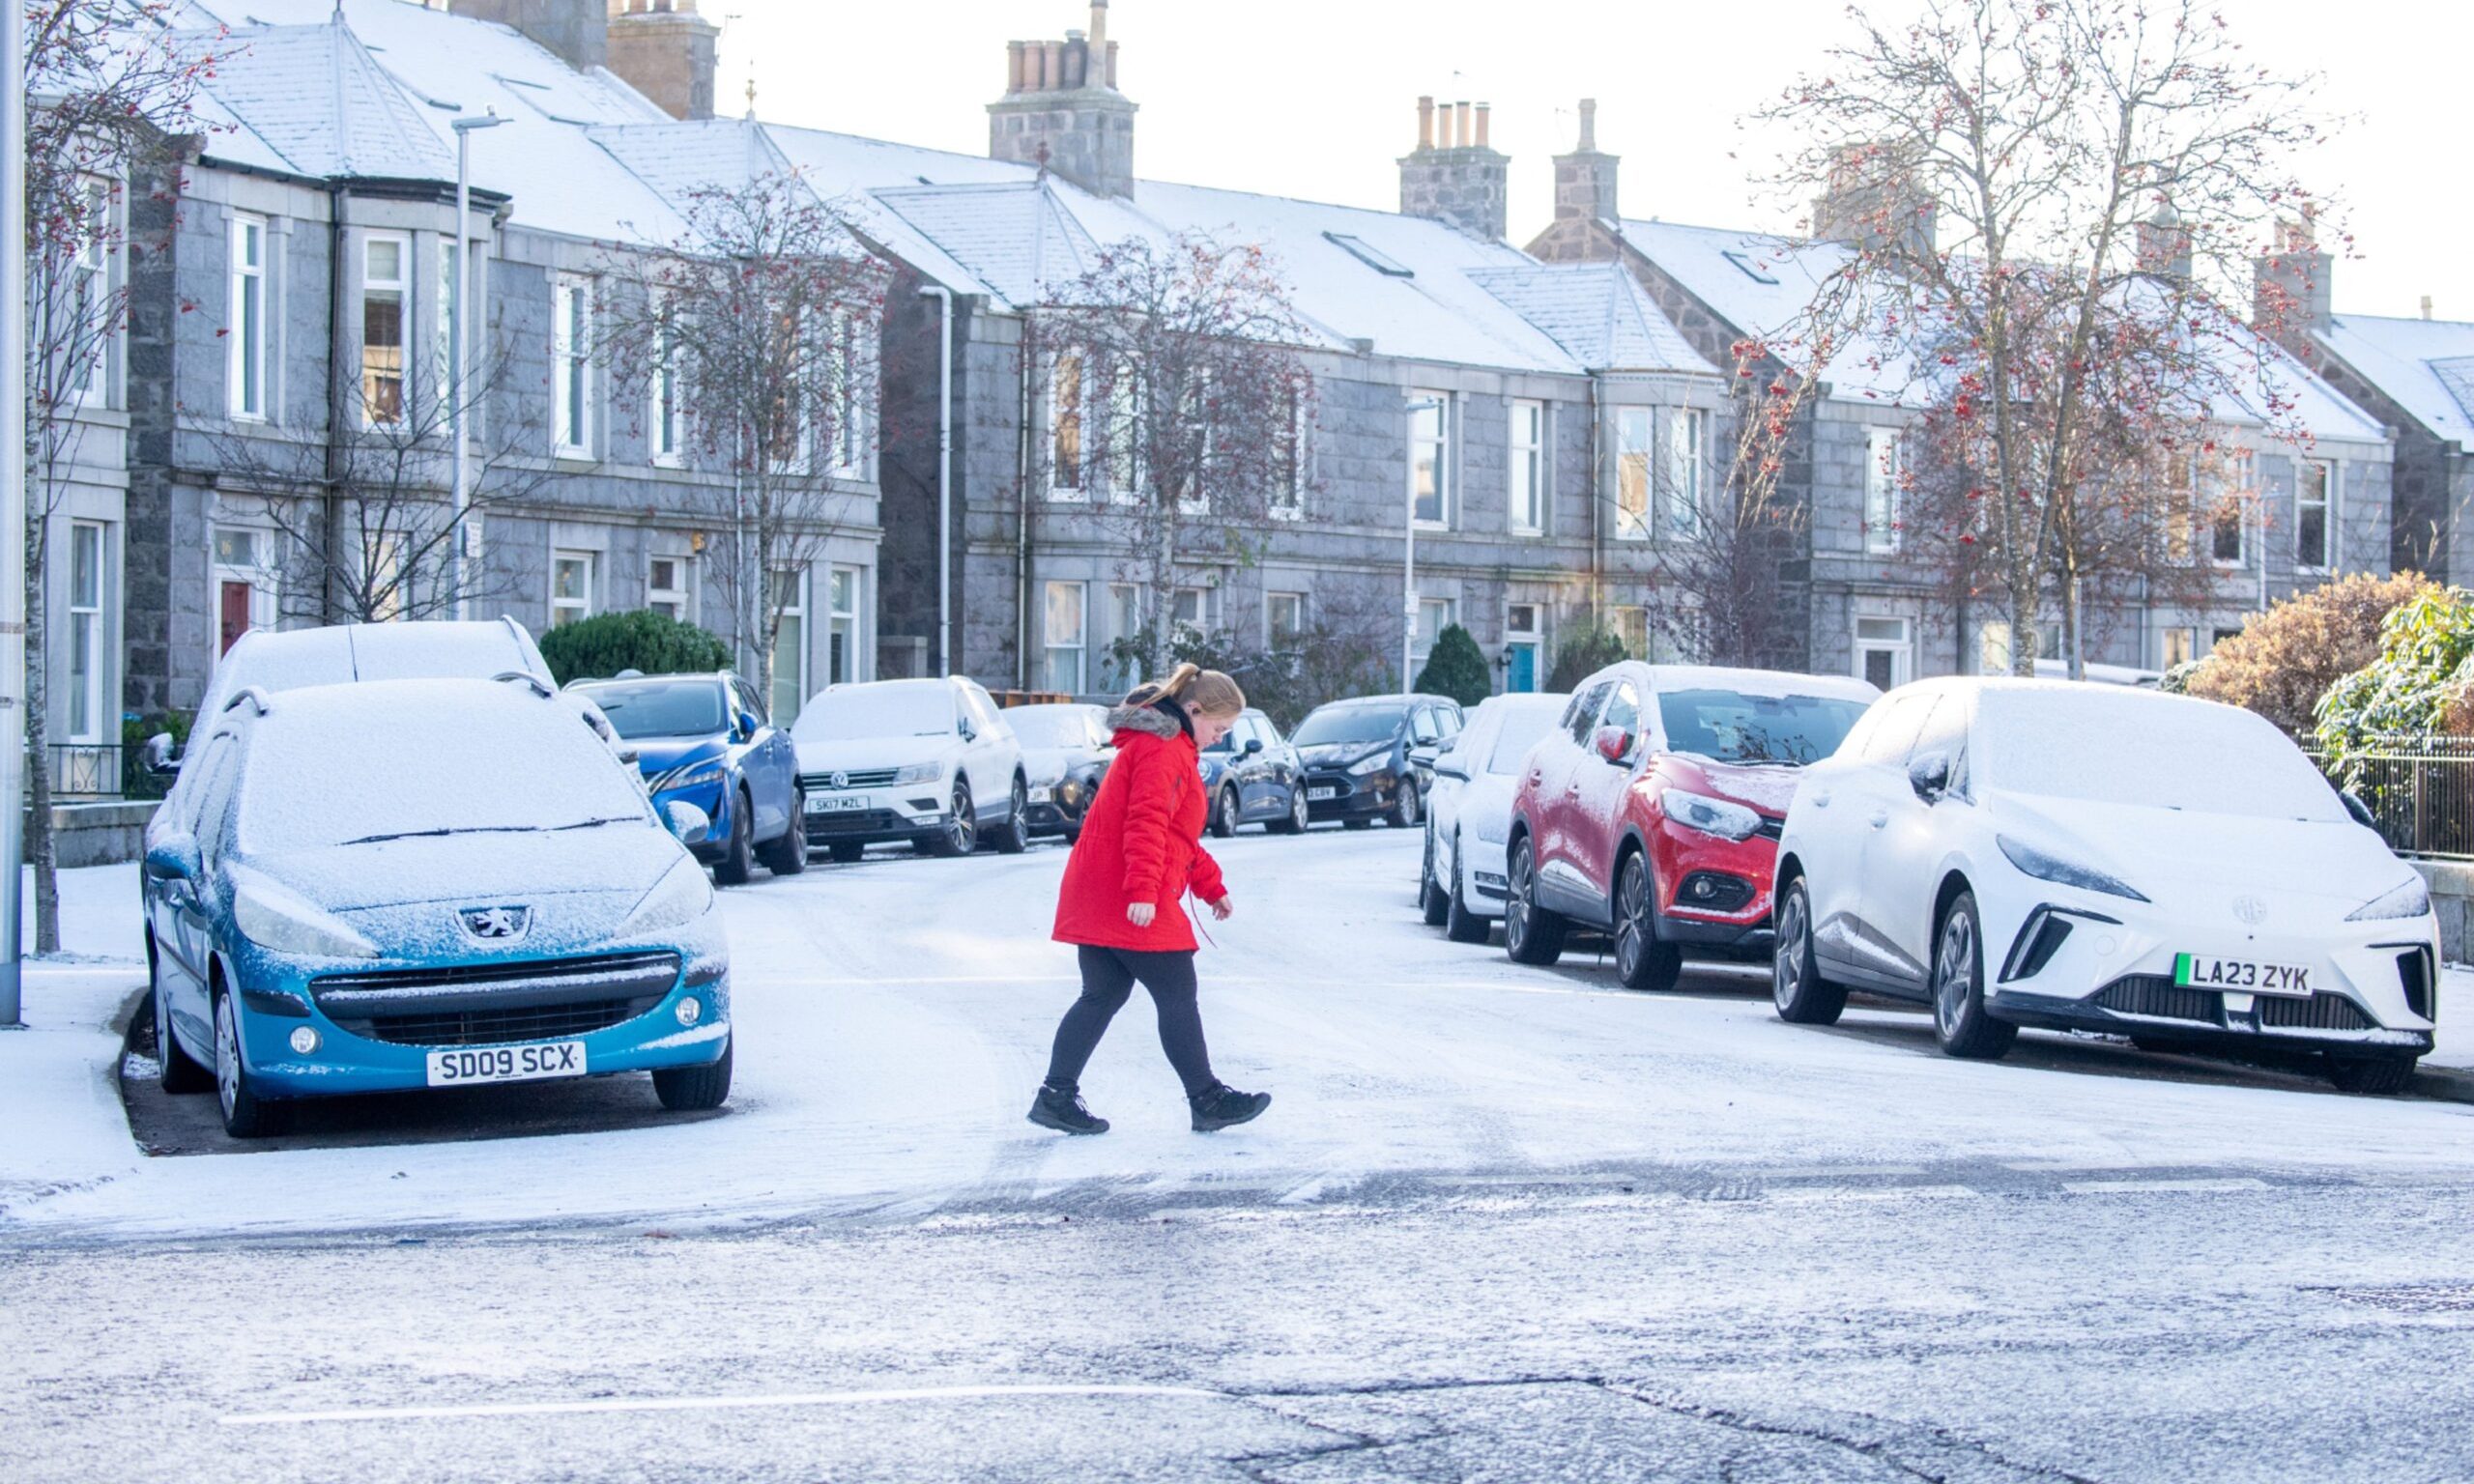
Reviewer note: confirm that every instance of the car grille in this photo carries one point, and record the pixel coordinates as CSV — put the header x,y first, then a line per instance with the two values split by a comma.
x,y
482,1003
1339,780
854,821
2153,994
855,777
2414,972
2320,1012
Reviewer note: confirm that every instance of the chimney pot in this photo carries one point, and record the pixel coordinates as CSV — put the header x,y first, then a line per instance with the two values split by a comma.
x,y
1051,65
1460,124
1113,64
1013,67
1481,125
2426,307
1425,123
1589,124
1100,25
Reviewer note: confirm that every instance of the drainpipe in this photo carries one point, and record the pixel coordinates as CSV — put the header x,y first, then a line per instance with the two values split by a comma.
x,y
1023,529
338,397
944,475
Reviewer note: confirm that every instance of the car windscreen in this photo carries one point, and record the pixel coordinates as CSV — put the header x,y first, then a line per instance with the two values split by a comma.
x,y
1050,726
1349,724
1728,726
899,710
346,778
2130,747
1520,732
661,708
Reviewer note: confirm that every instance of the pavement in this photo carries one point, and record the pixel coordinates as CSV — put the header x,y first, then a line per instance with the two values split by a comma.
x,y
1499,1223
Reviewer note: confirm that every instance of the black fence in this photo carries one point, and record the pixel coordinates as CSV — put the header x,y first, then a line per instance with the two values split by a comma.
x,y
2419,789
84,772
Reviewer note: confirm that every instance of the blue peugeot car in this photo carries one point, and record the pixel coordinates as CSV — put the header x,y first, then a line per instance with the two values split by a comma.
x,y
408,884
703,739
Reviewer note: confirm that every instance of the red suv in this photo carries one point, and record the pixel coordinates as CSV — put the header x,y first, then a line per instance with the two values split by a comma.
x,y
1653,812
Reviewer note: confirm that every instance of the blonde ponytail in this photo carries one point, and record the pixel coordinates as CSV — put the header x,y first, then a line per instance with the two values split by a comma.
x,y
1210,692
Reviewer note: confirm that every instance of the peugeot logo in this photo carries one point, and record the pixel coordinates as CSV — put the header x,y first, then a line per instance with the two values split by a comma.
x,y
840,780
2251,909
496,925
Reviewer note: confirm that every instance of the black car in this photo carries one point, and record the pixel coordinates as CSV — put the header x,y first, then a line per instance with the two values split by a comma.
x,y
1254,777
1357,760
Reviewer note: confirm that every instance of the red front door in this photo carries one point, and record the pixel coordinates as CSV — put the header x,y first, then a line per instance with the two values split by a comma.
x,y
235,615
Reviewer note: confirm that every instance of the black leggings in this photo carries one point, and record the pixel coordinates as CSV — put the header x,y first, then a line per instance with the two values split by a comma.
x,y
1108,976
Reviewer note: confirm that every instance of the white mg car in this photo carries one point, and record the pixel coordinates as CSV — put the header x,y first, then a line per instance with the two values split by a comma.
x,y
1463,886
2082,857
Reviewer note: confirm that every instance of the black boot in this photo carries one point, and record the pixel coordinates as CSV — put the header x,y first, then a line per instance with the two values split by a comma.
x,y
1061,1108
1225,1108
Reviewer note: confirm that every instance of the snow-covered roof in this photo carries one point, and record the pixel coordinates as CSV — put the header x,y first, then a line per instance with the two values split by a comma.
x,y
1597,312
2427,365
315,96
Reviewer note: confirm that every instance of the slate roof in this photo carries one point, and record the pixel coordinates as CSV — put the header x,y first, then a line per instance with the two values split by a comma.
x,y
316,98
2427,365
1597,312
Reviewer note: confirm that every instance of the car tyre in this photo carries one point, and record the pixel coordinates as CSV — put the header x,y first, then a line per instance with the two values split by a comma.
x,y
787,854
180,1072
1433,904
1532,934
738,859
2371,1075
1223,813
1295,822
1406,813
1797,988
695,1089
961,834
1961,1023
1460,924
246,1114
1014,836
846,851
1641,960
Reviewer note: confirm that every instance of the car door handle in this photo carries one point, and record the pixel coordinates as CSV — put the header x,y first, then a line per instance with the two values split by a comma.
x,y
1880,818
1572,789
1821,799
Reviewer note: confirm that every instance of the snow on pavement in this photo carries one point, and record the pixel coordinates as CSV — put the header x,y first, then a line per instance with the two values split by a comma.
x,y
893,1018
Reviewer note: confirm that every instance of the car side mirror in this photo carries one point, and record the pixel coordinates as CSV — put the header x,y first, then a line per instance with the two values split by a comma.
x,y
1253,745
1930,776
689,823
1422,756
157,756
746,723
2360,811
1614,744
1450,770
174,860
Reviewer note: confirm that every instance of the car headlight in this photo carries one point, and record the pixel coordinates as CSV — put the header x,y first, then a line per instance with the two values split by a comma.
x,y
681,895
705,771
919,772
288,922
2053,867
2412,898
1709,815
1373,763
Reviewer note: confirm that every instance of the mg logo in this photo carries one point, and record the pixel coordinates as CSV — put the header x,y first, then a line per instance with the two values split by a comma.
x,y
840,780
2251,909
496,925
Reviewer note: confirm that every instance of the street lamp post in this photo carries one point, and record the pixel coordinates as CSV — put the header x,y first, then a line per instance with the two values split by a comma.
x,y
460,351
1409,549
13,501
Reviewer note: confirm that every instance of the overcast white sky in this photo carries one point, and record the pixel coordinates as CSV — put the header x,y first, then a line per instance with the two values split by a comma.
x,y
1318,100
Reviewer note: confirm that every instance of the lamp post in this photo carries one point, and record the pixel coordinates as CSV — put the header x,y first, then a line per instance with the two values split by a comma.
x,y
1409,527
944,297
13,499
460,351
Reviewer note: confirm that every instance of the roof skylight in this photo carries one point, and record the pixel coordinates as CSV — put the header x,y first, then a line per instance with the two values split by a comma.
x,y
1368,254
1743,261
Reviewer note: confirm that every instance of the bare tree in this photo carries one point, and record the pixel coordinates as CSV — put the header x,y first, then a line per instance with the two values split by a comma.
x,y
2046,201
110,91
757,329
1178,408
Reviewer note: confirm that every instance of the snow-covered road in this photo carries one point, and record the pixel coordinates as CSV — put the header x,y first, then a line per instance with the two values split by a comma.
x,y
1500,1222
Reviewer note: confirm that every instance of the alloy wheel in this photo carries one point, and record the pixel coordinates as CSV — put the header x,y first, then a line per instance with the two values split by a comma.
x,y
1297,820
1632,928
1516,900
227,1056
963,830
1786,969
1953,973
1227,811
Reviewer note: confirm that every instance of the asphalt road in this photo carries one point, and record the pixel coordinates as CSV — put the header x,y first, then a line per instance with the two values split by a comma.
x,y
1500,1226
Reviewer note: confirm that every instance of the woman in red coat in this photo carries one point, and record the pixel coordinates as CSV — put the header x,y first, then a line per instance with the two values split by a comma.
x,y
1121,905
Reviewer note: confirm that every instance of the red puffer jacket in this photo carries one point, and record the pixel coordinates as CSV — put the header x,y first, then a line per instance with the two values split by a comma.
x,y
1141,841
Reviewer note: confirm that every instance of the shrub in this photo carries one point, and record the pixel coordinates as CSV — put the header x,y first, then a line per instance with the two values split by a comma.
x,y
1456,669
1586,649
2286,658
2421,684
656,644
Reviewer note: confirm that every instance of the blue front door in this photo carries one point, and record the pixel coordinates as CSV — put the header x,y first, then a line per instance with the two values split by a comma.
x,y
1521,668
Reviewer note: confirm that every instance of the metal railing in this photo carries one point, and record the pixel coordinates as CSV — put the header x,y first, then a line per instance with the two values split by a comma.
x,y
84,772
2419,789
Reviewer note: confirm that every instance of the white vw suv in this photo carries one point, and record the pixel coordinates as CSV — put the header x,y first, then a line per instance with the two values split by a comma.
x,y
2084,857
927,761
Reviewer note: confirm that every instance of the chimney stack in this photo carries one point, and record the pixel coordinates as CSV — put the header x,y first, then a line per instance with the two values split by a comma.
x,y
2291,287
2162,244
2426,307
1455,175
1061,109
665,51
1871,201
1585,179
577,30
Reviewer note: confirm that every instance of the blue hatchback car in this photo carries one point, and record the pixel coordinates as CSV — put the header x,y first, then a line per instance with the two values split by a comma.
x,y
411,884
703,739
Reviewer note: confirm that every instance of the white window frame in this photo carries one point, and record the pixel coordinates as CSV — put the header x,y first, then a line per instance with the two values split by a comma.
x,y
1272,628
794,612
260,575
852,359
91,267
87,588
1125,617
841,622
677,598
246,308
1075,647
1635,451
1525,468
1121,472
2189,635
1445,612
1069,486
1533,634
1629,622
1438,445
1288,495
1200,625
1686,459
665,420
1901,649
571,388
401,287
2328,504
2242,481
583,607
1885,463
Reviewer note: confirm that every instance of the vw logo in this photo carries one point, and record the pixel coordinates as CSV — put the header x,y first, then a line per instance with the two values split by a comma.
x,y
496,925
2251,909
840,780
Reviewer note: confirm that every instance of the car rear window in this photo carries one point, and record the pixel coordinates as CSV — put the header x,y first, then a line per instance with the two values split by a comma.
x,y
661,708
2131,747
1733,727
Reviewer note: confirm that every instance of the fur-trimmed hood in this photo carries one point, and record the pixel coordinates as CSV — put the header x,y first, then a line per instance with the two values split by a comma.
x,y
1148,719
